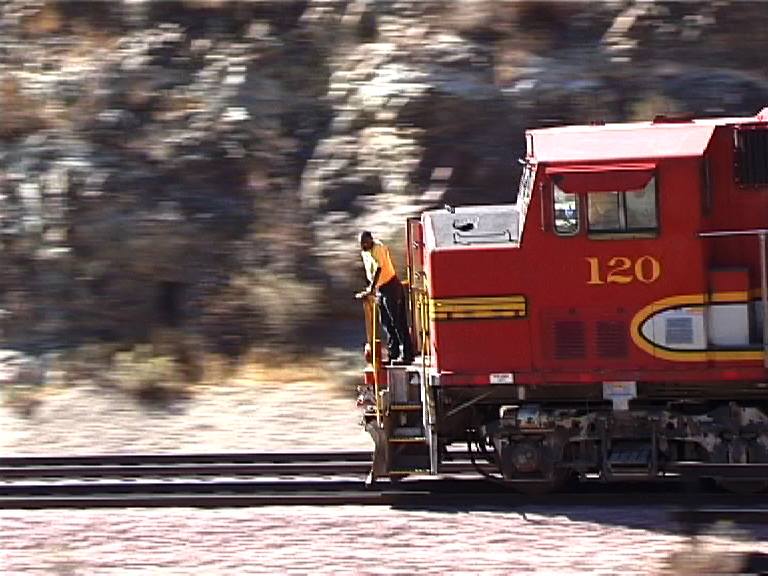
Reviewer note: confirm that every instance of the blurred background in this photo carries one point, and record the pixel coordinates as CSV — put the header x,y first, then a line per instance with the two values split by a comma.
x,y
181,188
182,182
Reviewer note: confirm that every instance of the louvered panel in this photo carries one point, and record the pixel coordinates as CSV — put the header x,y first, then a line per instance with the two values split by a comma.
x,y
752,156
570,339
678,330
612,339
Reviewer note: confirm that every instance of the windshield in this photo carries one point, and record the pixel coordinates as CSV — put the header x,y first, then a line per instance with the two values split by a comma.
x,y
526,184
525,191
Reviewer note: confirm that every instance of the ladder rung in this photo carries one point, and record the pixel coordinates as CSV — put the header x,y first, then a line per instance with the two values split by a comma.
x,y
408,439
408,431
629,472
409,407
631,477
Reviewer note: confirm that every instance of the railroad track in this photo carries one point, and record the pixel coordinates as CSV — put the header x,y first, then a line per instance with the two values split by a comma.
x,y
251,465
335,478
187,465
420,494
202,480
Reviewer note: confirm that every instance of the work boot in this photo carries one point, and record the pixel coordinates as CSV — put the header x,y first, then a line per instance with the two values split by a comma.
x,y
401,359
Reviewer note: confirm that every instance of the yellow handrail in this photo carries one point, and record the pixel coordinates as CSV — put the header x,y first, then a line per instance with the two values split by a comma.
x,y
375,358
424,323
424,313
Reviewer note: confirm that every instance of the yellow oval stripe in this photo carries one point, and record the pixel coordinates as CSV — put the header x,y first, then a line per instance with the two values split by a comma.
x,y
693,300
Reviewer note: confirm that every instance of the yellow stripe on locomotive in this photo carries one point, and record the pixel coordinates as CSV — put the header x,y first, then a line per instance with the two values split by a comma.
x,y
478,308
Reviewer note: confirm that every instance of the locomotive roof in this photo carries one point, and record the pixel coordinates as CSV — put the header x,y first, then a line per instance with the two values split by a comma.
x,y
465,226
628,141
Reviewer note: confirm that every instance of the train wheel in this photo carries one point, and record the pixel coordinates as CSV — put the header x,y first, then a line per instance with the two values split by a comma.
x,y
742,486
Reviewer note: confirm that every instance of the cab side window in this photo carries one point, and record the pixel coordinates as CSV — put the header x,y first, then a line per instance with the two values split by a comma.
x,y
641,208
604,211
630,211
566,208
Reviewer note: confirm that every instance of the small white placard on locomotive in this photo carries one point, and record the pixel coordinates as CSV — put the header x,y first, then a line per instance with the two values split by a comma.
x,y
620,393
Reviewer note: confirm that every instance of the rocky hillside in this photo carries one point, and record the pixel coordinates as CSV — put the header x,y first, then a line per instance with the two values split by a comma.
x,y
201,167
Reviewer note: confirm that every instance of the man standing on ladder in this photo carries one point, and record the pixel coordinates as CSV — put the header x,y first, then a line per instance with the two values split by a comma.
x,y
382,279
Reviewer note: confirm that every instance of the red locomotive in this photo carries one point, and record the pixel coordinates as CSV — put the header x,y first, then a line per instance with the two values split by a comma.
x,y
612,321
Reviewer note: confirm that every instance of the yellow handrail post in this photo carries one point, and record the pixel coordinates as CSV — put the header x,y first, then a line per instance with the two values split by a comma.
x,y
424,314
375,360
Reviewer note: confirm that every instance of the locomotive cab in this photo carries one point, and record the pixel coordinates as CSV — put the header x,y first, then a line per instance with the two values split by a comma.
x,y
611,322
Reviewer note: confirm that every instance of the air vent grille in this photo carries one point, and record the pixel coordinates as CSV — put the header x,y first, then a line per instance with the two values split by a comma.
x,y
570,340
612,339
752,157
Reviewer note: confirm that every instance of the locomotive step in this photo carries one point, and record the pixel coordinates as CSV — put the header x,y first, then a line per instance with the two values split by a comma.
x,y
635,475
408,471
406,407
415,366
408,431
407,439
633,457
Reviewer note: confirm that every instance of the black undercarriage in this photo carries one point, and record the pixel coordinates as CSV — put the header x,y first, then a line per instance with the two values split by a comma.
x,y
556,432
538,437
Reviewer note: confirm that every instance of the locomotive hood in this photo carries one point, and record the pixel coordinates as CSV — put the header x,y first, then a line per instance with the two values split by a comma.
x,y
472,226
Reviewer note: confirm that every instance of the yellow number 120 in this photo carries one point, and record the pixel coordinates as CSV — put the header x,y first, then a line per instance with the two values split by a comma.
x,y
621,270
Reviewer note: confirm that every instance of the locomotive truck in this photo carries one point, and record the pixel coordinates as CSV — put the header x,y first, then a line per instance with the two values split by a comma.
x,y
610,322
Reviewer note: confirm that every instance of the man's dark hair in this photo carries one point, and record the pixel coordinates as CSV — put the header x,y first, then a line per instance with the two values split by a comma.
x,y
365,235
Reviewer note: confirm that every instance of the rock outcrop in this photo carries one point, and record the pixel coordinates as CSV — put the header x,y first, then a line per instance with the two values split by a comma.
x,y
202,167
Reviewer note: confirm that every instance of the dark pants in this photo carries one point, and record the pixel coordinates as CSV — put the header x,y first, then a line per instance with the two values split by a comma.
x,y
393,319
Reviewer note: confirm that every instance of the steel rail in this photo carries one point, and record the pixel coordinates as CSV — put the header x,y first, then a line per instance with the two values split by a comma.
x,y
279,463
193,500
173,458
297,469
419,494
293,464
203,487
298,464
709,515
332,479
738,471
187,470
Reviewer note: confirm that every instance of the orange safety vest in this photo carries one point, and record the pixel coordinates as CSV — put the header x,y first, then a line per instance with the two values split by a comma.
x,y
375,258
